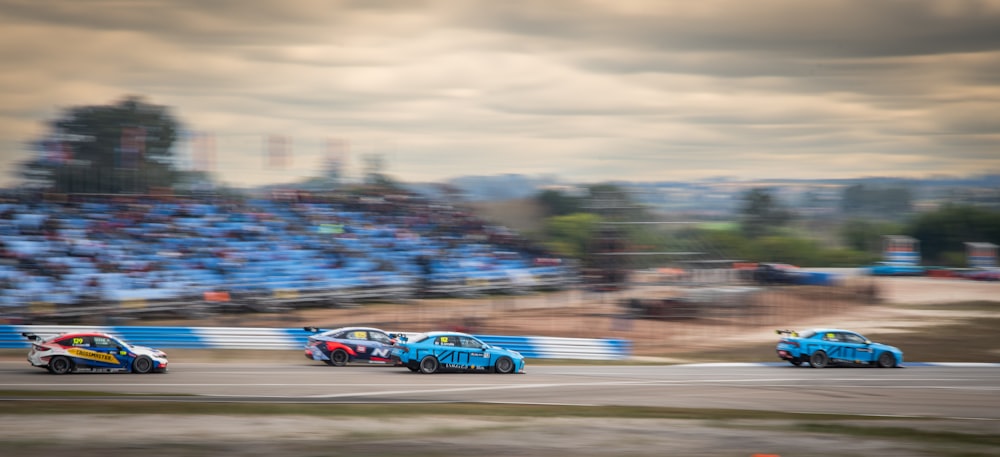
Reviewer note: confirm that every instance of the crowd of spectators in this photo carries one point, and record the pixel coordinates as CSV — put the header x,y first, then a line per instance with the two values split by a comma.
x,y
101,249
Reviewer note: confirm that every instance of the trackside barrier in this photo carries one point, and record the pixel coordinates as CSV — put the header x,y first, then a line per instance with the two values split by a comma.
x,y
539,347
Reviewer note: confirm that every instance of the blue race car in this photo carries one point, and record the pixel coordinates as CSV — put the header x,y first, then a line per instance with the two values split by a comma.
x,y
895,269
823,347
454,351
339,346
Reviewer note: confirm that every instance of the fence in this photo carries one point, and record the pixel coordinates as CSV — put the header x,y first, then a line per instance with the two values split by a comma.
x,y
295,339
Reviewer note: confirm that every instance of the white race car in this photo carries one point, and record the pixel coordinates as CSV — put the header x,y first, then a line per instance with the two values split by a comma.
x,y
93,352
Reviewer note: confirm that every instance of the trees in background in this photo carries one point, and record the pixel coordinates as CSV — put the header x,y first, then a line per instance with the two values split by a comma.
x,y
943,232
764,234
761,213
124,147
891,202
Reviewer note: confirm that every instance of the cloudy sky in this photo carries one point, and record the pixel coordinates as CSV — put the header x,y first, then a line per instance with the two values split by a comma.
x,y
583,90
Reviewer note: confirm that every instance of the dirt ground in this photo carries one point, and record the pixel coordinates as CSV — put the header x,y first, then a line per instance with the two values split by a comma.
x,y
169,435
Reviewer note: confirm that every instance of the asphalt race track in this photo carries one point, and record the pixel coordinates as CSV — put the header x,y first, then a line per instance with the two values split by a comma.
x,y
963,392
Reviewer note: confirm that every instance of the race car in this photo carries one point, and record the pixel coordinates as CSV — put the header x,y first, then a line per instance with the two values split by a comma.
x,y
823,347
455,351
92,352
340,346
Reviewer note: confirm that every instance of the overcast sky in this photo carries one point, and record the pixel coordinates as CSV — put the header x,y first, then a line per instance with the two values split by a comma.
x,y
586,91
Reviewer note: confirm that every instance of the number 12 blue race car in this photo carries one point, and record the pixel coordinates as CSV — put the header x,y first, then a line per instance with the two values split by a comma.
x,y
823,347
453,351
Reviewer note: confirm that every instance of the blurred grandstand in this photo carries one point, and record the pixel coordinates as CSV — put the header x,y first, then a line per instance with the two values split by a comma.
x,y
117,256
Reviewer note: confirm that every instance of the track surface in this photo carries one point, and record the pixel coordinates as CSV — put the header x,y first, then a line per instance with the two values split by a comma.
x,y
915,391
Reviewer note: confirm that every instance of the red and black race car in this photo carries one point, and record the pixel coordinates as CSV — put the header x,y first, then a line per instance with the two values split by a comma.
x,y
340,346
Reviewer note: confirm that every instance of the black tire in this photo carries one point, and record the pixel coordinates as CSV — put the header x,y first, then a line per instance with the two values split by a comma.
x,y
796,362
338,358
886,360
429,365
142,365
504,365
60,365
818,359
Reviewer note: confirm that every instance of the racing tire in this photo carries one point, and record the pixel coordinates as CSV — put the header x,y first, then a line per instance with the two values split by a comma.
x,y
338,358
429,365
60,365
886,360
504,365
142,365
818,359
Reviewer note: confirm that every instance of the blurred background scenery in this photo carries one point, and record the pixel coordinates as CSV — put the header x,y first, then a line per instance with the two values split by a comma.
x,y
676,178
620,161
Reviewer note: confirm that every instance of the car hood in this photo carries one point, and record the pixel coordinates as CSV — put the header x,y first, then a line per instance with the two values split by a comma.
x,y
146,350
885,347
508,351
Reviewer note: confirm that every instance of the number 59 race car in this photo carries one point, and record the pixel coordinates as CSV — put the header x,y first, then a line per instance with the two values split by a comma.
x,y
94,352
822,347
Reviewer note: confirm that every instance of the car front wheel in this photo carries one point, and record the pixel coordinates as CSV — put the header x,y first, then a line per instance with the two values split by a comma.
x,y
504,366
142,365
886,360
818,359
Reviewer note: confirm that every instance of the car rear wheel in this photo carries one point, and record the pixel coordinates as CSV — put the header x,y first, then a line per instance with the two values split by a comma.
x,y
818,359
504,366
338,358
60,365
142,365
428,364
886,360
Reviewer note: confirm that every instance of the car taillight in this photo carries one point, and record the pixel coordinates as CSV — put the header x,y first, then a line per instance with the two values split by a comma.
x,y
40,348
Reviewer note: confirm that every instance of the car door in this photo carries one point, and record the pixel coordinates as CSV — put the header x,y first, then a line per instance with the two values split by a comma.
x,y
836,349
478,356
449,352
358,340
112,354
859,347
78,348
381,346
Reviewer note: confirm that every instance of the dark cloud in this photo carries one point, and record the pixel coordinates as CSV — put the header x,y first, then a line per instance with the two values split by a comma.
x,y
624,89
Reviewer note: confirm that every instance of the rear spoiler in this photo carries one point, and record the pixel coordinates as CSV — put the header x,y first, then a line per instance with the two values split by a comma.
x,y
31,336
787,332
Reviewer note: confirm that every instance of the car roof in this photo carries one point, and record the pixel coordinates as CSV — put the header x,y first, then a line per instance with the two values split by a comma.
x,y
78,334
439,333
827,330
340,329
